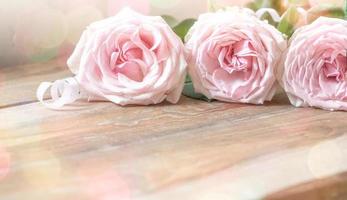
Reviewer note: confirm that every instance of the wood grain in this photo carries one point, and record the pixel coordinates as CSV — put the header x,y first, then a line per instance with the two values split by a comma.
x,y
192,150
18,83
329,188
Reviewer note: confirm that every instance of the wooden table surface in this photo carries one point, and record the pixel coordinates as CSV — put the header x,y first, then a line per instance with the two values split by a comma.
x,y
193,150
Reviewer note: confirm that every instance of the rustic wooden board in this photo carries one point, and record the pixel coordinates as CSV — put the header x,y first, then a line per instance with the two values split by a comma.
x,y
192,150
18,83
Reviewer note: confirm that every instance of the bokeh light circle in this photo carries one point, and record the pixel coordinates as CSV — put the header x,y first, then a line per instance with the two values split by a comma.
x,y
231,2
165,4
39,32
53,29
114,6
324,159
43,169
42,28
327,2
102,182
79,18
4,163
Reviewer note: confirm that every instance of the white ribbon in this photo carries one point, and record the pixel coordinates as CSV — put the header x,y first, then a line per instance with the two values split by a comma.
x,y
65,91
273,13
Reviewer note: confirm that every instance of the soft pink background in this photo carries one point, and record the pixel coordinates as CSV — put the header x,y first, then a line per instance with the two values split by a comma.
x,y
40,30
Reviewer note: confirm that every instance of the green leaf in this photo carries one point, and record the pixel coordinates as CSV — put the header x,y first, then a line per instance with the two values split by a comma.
x,y
288,21
189,91
255,5
267,16
275,4
182,28
278,5
325,10
170,20
345,9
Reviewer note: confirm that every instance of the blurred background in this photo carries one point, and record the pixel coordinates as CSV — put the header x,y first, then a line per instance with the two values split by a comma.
x,y
40,30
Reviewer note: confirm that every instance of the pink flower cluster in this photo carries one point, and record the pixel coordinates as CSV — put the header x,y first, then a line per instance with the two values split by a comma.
x,y
230,55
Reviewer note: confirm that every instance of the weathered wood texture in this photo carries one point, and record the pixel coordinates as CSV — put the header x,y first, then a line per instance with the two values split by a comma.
x,y
192,150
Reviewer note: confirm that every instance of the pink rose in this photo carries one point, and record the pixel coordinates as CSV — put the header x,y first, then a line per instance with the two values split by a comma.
x,y
234,55
315,65
130,59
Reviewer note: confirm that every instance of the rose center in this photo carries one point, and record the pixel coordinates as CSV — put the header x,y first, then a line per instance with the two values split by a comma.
x,y
236,57
336,69
127,61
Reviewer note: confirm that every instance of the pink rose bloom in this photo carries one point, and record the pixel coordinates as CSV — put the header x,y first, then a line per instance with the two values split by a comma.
x,y
234,55
315,65
130,59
